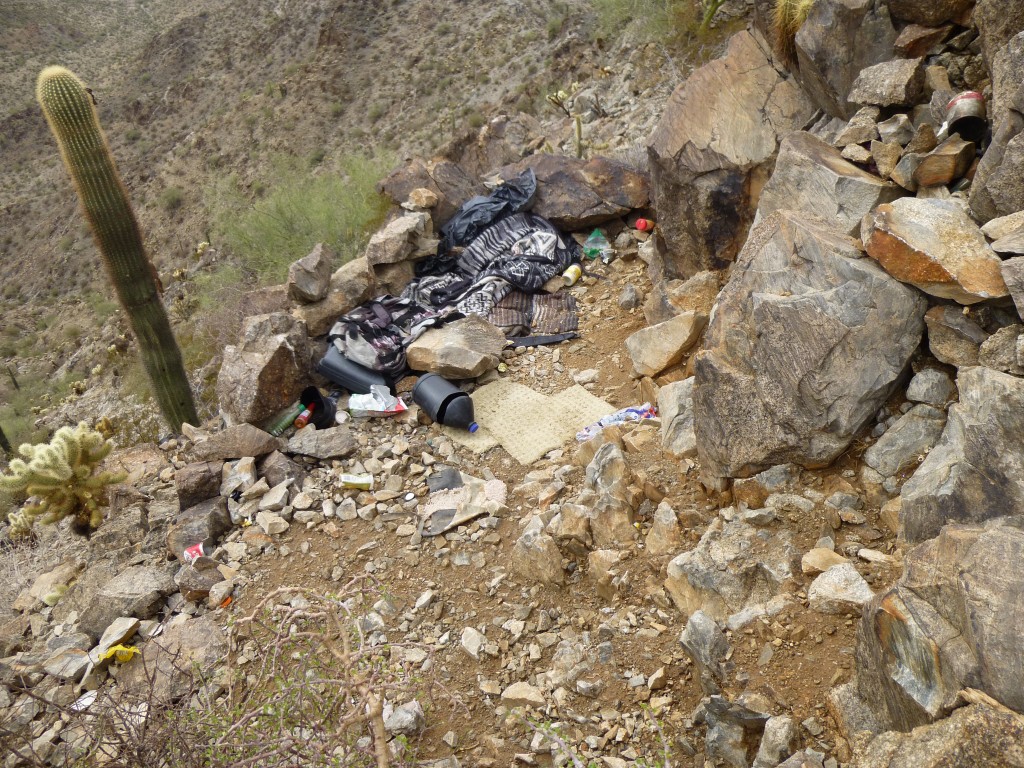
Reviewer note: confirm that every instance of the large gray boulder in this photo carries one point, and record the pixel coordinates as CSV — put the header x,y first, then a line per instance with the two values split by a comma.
x,y
137,591
838,39
912,436
971,737
177,662
806,342
400,239
949,623
266,371
576,194
713,148
812,176
899,82
976,471
996,189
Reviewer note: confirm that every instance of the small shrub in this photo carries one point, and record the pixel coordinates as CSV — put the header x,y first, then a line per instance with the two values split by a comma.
x,y
299,211
101,305
317,156
171,199
653,19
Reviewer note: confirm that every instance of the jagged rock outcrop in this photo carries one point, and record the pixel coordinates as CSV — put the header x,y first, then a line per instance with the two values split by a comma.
x,y
806,342
946,625
838,39
976,471
713,150
812,176
997,189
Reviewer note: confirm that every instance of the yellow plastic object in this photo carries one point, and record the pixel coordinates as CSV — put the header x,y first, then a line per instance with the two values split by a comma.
x,y
120,653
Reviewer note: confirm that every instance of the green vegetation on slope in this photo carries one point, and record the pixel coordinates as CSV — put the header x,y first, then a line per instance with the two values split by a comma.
x,y
298,211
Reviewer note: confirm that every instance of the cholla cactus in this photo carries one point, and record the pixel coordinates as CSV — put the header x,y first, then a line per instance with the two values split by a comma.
x,y
62,475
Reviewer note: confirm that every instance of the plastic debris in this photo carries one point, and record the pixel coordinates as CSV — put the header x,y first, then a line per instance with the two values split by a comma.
x,y
379,402
633,413
120,653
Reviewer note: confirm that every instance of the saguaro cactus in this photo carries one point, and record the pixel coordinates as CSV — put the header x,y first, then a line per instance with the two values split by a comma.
x,y
69,110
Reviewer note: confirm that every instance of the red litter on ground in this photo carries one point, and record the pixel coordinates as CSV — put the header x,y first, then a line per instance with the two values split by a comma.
x,y
644,224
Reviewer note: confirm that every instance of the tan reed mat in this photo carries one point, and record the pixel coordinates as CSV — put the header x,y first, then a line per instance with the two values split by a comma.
x,y
527,423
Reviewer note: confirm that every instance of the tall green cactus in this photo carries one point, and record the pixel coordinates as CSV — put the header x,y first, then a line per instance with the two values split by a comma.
x,y
68,107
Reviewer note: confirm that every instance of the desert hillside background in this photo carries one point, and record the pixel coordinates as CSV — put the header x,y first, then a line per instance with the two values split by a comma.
x,y
262,128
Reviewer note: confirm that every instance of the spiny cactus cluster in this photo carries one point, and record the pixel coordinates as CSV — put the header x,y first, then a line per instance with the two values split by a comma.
x,y
62,475
68,108
787,18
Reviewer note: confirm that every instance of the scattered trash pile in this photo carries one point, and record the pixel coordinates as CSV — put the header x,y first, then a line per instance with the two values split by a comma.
x,y
494,280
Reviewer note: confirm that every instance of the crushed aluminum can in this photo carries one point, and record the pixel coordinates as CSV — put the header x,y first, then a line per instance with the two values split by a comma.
x,y
193,553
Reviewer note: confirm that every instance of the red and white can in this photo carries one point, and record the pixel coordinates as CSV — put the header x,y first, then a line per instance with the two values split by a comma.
x,y
193,553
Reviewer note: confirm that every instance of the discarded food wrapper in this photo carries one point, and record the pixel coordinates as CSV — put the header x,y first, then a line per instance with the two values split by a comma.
x,y
362,482
379,402
633,413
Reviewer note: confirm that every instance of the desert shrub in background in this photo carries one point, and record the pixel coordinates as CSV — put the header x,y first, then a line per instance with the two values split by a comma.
x,y
340,208
655,19
171,199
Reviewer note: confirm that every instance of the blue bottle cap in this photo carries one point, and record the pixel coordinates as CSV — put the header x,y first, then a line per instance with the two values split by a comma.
x,y
473,427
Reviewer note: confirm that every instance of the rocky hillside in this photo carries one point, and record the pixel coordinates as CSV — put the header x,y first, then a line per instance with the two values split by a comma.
x,y
206,104
805,559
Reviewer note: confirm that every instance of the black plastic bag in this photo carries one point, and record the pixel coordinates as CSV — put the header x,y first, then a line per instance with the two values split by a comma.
x,y
476,215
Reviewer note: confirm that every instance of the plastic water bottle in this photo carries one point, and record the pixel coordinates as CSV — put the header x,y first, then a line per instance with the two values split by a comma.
x,y
304,417
444,402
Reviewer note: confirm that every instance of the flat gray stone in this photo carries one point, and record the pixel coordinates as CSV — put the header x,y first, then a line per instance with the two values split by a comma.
x,y
840,589
332,443
909,439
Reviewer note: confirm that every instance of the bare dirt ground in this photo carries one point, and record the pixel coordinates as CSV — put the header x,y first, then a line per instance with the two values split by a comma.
x,y
791,660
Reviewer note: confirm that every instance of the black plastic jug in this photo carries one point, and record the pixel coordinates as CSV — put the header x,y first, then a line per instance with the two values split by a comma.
x,y
444,402
326,408
345,373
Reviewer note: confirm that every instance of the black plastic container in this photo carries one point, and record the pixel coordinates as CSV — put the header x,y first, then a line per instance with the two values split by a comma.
x,y
325,407
444,402
354,377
